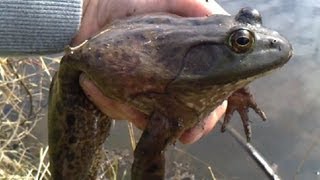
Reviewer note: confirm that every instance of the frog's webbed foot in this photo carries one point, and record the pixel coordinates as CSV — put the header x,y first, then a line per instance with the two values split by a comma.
x,y
149,157
241,100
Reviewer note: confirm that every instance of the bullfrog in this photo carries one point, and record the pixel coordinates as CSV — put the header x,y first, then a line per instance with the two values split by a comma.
x,y
173,69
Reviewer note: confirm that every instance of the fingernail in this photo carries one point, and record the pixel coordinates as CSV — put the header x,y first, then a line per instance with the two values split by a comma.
x,y
223,105
85,82
82,78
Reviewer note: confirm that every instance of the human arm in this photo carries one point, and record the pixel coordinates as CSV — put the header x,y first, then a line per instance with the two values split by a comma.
x,y
38,27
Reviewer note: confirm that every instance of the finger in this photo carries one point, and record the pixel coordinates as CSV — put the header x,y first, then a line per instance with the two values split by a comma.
x,y
110,10
96,14
117,9
213,119
111,107
195,7
195,133
89,26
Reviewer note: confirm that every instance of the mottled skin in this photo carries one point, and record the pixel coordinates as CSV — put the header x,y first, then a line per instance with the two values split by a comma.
x,y
175,70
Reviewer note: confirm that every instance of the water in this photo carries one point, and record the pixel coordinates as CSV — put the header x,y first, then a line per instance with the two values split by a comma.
x,y
289,140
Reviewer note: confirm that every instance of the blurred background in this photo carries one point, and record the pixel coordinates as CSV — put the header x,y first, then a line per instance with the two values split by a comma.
x,y
289,140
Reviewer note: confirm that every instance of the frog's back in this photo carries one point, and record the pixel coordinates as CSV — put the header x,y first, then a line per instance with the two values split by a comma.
x,y
146,49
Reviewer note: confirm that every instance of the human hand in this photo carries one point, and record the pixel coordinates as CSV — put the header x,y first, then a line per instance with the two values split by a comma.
x,y
98,13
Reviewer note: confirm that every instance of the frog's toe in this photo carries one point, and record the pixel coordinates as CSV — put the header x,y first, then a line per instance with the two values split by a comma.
x,y
245,122
241,100
254,106
227,117
243,115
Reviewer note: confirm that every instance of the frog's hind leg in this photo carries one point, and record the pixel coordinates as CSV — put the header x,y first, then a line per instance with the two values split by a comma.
x,y
149,157
77,129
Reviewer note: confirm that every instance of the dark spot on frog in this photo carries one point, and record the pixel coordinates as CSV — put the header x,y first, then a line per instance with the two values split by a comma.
x,y
59,108
70,156
72,139
140,37
85,55
98,55
70,166
70,120
115,54
153,168
187,178
120,42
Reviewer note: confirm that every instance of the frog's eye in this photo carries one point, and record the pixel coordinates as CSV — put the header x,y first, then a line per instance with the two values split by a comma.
x,y
241,40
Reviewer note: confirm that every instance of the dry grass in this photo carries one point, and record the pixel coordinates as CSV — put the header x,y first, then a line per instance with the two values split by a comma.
x,y
24,88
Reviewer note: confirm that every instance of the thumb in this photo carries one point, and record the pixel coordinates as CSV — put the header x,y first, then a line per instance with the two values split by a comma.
x,y
112,108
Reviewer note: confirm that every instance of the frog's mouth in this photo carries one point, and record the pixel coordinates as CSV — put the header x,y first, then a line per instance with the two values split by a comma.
x,y
256,64
212,64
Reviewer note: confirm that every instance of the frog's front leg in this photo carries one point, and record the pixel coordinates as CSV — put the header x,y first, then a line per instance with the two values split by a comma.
x,y
77,129
149,156
241,100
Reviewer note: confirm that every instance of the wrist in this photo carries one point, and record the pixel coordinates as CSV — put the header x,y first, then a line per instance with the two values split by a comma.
x,y
84,6
88,24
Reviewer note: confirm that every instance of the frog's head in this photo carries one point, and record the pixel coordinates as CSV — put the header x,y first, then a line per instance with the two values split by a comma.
x,y
247,50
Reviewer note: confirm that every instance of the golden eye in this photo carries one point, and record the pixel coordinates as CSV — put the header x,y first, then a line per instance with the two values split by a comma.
x,y
241,40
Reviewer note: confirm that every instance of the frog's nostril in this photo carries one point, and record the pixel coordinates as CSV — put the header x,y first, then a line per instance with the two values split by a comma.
x,y
274,43
281,45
